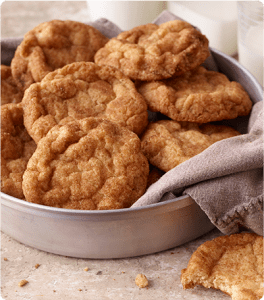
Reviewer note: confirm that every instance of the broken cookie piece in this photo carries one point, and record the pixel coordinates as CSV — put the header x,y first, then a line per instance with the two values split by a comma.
x,y
232,264
141,281
22,282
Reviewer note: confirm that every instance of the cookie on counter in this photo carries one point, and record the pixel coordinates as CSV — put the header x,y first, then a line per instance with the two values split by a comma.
x,y
80,90
16,149
52,45
167,143
154,52
10,93
232,264
90,164
199,95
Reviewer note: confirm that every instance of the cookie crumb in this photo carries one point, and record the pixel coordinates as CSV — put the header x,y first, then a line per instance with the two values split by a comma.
x,y
5,259
86,269
80,290
37,265
141,281
22,282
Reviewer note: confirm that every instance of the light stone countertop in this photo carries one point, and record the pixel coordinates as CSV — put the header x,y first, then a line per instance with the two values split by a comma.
x,y
60,277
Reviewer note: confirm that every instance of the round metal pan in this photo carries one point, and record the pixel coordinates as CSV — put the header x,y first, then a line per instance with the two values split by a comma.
x,y
104,234
116,233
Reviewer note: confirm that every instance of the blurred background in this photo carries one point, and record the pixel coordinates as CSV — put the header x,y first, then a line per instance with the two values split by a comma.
x,y
233,27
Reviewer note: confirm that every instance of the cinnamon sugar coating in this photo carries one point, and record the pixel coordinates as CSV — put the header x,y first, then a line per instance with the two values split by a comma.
x,y
81,90
232,264
16,149
199,95
52,45
154,52
10,93
90,164
168,143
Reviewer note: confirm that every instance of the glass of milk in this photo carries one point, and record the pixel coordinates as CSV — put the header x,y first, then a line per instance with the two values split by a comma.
x,y
250,37
217,20
126,14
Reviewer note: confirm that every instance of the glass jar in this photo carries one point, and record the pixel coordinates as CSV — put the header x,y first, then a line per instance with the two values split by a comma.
x,y
250,37
126,14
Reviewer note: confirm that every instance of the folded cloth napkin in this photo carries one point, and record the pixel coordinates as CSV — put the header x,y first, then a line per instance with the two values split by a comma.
x,y
225,180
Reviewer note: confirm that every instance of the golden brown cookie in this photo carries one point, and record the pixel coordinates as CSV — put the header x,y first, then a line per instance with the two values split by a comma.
x,y
10,93
82,90
154,52
90,164
199,95
52,45
16,149
233,264
168,143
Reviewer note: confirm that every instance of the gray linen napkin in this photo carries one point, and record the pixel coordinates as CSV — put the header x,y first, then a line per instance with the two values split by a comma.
x,y
226,180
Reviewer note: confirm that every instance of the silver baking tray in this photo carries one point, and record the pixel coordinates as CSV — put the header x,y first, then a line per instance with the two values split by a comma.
x,y
117,233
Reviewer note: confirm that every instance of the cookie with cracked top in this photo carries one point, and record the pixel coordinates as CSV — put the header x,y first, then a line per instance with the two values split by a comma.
x,y
81,90
232,264
16,149
199,96
153,52
91,164
10,93
167,143
52,45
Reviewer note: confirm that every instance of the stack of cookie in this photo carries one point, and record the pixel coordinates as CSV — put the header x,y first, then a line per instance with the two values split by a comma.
x,y
75,129
165,61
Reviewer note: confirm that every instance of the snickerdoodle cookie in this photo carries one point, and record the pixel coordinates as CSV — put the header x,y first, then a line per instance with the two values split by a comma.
x,y
167,143
90,164
52,45
10,93
16,149
81,90
232,264
154,52
199,95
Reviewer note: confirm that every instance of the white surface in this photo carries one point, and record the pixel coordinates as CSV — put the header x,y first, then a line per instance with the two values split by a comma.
x,y
126,14
215,19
